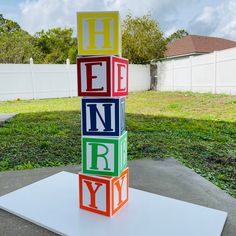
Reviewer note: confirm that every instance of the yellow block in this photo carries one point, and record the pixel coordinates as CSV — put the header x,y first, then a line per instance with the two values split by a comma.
x,y
98,33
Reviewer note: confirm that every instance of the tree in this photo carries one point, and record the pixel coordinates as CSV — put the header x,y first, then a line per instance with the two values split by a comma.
x,y
8,26
73,52
57,45
52,46
142,39
179,34
16,45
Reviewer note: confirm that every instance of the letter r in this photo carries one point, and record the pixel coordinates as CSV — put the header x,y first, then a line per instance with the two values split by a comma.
x,y
95,155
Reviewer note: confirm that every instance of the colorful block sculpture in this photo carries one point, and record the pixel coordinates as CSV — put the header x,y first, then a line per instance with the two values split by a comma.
x,y
98,33
103,195
104,155
103,116
105,76
103,83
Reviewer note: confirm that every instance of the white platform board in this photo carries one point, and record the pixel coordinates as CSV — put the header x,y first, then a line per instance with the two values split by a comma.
x,y
53,204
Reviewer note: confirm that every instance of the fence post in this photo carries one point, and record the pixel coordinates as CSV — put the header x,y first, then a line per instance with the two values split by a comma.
x,y
32,77
153,74
215,72
158,75
191,73
68,75
173,75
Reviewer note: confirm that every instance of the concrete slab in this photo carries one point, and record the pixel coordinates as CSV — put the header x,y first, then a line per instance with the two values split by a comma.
x,y
6,116
164,177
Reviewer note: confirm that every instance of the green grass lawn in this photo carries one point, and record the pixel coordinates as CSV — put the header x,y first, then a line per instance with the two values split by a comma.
x,y
197,129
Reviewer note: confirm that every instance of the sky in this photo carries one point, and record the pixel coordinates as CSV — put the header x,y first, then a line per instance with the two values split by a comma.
x,y
204,17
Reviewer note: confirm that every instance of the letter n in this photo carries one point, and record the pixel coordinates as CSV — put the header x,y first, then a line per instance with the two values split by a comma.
x,y
95,116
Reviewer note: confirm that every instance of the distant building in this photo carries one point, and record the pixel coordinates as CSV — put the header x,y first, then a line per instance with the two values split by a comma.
x,y
193,45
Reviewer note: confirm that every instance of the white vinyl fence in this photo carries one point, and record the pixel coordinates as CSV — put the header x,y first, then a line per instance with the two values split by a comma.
x,y
35,81
214,73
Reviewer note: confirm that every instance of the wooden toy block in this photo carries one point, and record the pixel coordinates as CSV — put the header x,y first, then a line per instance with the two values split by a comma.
x,y
98,33
104,155
103,195
103,116
105,76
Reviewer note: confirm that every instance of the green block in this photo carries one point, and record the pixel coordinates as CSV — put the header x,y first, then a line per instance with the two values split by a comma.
x,y
104,155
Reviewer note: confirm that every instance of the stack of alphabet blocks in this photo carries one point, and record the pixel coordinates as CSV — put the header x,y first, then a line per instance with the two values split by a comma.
x,y
103,85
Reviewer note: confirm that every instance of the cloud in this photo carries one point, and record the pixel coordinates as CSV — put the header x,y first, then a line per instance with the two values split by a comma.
x,y
216,21
207,21
213,17
170,31
44,14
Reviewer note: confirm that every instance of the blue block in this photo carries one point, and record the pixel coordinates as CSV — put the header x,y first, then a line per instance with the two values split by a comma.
x,y
103,117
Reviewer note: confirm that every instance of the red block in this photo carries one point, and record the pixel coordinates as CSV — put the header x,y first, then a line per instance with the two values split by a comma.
x,y
103,195
105,76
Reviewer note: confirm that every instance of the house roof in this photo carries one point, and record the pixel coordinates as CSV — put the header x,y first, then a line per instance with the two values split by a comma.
x,y
196,44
